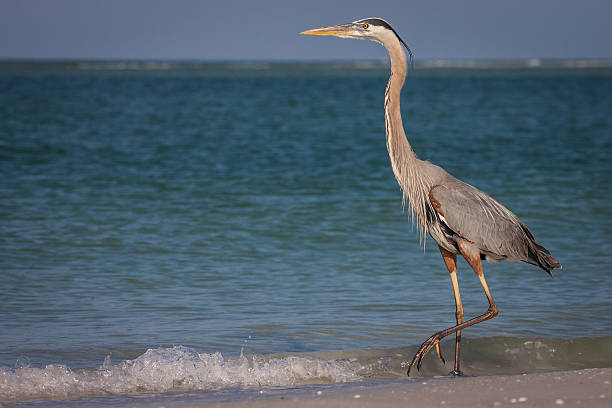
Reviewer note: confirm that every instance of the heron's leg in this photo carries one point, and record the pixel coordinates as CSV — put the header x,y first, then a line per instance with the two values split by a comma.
x,y
450,260
472,256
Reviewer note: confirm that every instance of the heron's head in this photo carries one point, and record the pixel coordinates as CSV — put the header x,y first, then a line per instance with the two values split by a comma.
x,y
373,28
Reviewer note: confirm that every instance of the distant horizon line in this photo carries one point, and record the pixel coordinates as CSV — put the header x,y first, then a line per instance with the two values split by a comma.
x,y
152,63
289,60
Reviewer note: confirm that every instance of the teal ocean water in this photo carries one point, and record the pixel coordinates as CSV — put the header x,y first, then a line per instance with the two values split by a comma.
x,y
210,227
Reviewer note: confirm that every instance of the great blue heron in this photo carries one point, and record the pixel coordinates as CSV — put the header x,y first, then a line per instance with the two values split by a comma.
x,y
459,217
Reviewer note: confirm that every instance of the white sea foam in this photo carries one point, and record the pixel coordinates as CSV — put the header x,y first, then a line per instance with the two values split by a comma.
x,y
166,369
183,368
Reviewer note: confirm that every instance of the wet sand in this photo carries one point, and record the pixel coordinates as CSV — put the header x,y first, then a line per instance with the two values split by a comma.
x,y
581,388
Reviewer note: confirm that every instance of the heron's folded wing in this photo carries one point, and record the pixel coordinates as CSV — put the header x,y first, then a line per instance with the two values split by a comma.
x,y
480,219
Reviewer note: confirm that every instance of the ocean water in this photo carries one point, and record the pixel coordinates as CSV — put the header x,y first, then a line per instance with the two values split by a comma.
x,y
195,231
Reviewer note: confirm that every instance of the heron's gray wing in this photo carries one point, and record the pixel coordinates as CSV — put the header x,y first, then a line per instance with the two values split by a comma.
x,y
477,217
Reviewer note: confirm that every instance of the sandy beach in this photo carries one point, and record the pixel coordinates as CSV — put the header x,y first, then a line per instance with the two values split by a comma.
x,y
580,388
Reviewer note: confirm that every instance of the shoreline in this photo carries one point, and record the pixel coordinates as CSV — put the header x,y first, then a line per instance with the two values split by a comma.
x,y
586,388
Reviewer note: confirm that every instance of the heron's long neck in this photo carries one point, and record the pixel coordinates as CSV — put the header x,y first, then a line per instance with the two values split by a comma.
x,y
406,166
400,152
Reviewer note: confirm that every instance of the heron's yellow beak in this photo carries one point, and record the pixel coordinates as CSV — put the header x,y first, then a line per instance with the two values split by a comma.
x,y
341,30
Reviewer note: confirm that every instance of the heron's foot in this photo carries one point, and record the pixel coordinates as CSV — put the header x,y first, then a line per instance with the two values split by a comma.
x,y
456,373
433,341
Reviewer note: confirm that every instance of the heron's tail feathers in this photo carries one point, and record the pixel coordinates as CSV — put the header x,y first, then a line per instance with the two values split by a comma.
x,y
538,255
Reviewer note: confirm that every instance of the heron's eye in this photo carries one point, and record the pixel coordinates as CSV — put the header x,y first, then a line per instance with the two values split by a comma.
x,y
366,25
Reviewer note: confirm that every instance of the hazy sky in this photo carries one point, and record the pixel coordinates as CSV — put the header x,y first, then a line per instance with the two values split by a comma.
x,y
268,29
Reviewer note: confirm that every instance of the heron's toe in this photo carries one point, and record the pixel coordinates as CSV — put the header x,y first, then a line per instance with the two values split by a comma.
x,y
439,353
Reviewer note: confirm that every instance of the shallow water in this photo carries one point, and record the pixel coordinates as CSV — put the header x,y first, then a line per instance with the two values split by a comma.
x,y
252,207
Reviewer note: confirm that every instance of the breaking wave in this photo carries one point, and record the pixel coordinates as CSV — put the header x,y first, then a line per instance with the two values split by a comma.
x,y
183,368
166,369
